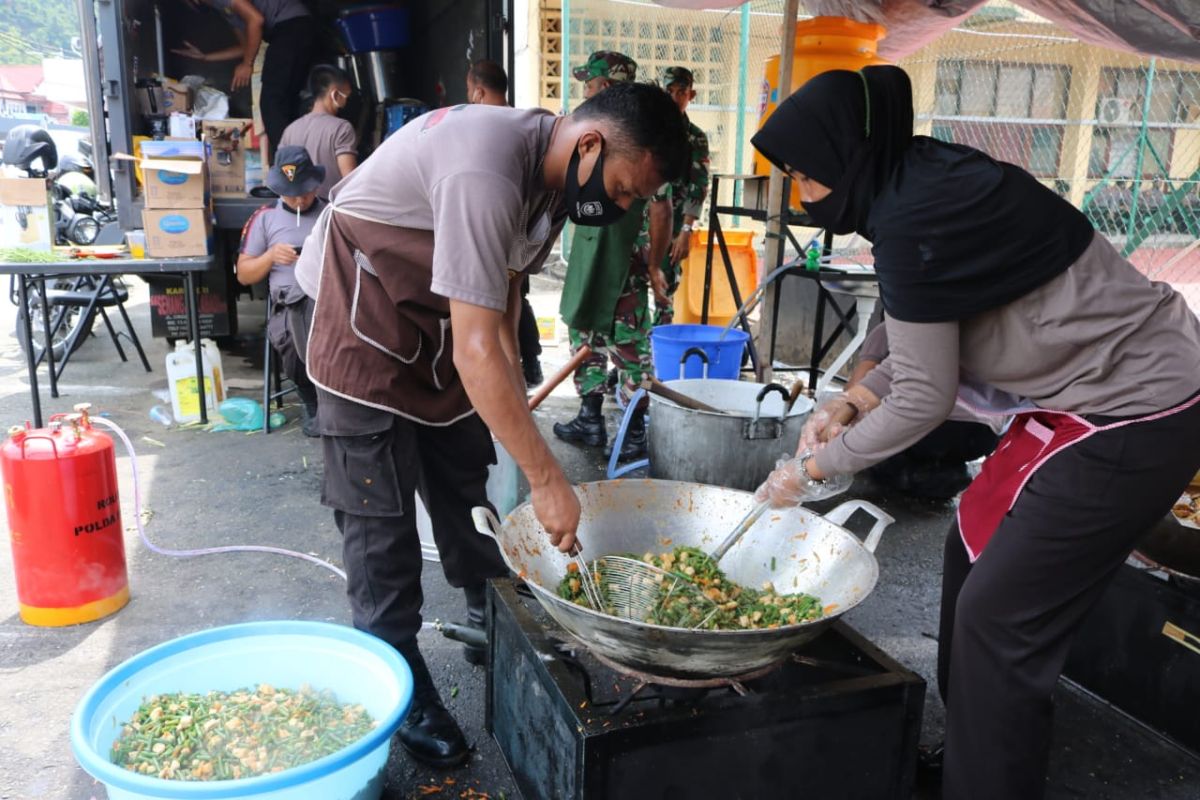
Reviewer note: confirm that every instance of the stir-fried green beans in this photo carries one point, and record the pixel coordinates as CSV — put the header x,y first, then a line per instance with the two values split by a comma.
x,y
697,594
239,734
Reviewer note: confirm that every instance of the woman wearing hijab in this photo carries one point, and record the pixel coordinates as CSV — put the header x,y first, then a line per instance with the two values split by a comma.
x,y
1000,293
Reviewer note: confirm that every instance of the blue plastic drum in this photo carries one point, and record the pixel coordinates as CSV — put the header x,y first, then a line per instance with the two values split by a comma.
x,y
374,27
355,666
686,347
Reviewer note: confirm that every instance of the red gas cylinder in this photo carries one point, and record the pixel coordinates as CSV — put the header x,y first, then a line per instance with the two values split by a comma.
x,y
64,518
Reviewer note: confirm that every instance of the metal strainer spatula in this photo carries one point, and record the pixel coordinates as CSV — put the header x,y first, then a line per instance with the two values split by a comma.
x,y
636,589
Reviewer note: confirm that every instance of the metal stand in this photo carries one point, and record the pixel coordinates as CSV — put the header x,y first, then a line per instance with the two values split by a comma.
x,y
752,186
822,345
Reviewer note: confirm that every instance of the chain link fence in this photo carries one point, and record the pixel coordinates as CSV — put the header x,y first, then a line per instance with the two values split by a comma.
x,y
1116,134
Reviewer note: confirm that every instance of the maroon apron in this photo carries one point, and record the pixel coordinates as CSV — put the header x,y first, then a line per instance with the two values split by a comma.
x,y
1033,439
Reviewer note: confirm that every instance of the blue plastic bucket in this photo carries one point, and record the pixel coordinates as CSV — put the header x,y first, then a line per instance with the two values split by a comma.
x,y
374,28
355,666
670,343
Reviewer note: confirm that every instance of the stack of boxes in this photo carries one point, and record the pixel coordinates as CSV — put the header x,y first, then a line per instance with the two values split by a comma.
x,y
178,199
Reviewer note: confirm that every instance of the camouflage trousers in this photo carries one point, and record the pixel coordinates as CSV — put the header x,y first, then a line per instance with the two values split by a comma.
x,y
628,346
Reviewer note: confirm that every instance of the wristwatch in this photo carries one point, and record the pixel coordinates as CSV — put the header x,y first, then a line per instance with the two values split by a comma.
x,y
806,475
687,228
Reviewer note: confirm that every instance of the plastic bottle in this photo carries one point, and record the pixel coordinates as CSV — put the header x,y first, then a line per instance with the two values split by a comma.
x,y
181,380
212,357
162,415
812,257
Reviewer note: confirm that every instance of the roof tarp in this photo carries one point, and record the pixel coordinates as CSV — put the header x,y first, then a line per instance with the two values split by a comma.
x,y
1168,28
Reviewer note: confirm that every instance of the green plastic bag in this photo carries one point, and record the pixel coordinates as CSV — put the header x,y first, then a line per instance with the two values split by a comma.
x,y
240,414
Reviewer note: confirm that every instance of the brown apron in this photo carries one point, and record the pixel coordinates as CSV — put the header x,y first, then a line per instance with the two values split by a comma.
x,y
379,336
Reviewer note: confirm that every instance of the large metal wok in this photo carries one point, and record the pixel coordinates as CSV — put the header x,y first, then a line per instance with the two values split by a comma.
x,y
796,549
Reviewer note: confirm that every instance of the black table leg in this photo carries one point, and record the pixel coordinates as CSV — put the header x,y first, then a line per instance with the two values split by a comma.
x,y
189,279
48,342
30,364
814,367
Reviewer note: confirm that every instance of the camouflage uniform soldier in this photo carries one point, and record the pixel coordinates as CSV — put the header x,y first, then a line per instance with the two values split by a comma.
x,y
626,339
688,193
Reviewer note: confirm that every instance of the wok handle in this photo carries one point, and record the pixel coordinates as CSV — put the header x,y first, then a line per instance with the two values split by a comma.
x,y
882,520
486,522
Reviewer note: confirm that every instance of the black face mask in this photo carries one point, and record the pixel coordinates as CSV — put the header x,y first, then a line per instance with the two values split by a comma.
x,y
836,212
589,204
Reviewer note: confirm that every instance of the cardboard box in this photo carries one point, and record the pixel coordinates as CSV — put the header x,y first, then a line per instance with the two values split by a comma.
x,y
228,140
177,98
26,214
174,233
174,183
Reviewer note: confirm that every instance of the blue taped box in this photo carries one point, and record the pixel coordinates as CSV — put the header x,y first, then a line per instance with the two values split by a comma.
x,y
175,233
175,183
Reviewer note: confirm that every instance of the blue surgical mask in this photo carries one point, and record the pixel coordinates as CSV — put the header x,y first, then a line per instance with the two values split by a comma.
x,y
589,204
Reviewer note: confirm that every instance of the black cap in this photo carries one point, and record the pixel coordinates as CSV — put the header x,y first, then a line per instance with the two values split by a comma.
x,y
294,173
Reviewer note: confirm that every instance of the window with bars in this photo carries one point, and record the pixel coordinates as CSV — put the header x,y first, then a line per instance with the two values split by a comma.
x,y
1118,141
996,107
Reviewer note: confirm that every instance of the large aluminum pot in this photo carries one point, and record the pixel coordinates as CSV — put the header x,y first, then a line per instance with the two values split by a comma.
x,y
796,549
737,449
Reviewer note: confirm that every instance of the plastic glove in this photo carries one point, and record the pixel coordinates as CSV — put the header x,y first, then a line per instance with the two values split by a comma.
x,y
789,485
832,418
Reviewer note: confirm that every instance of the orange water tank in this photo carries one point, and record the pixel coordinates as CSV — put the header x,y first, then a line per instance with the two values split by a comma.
x,y
64,519
822,44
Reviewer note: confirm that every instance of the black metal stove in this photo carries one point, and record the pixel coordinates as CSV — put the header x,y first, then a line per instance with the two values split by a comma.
x,y
838,720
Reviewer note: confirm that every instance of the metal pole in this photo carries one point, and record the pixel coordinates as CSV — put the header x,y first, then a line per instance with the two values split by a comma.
x,y
775,199
95,103
566,56
158,42
30,364
1141,156
743,76
565,236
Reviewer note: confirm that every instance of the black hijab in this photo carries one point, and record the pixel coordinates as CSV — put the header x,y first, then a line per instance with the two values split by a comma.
x,y
953,232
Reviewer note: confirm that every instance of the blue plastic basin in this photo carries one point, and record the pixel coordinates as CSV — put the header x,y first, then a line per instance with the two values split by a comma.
x,y
669,343
374,28
357,667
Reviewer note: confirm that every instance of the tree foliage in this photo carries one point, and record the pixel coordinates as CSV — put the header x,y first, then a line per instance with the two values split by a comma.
x,y
30,29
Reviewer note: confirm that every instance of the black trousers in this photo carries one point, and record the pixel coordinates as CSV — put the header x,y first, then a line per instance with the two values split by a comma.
x,y
528,339
284,75
285,308
1008,619
374,462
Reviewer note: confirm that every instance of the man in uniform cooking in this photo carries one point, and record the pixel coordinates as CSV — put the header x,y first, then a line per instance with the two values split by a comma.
x,y
415,272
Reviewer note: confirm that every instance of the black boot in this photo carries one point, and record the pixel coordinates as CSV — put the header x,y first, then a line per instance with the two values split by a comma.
x,y
477,619
308,412
429,733
532,367
634,446
588,427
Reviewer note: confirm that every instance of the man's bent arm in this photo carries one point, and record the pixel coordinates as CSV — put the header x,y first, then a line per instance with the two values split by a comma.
x,y
489,379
